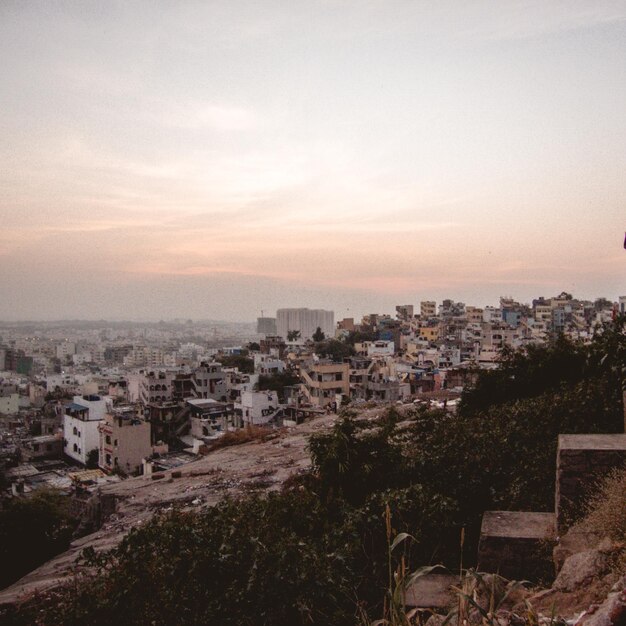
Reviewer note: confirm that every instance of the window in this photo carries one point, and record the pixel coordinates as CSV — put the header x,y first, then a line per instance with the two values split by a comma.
x,y
75,430
75,448
36,447
339,376
108,439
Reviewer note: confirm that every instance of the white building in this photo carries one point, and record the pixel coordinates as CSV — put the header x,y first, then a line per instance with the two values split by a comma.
x,y
379,348
492,314
267,364
80,426
305,321
9,404
257,407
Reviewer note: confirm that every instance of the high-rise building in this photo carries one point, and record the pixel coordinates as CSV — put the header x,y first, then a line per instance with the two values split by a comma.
x,y
266,326
305,321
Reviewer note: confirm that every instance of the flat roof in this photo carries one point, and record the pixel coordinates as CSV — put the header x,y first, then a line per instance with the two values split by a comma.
x,y
593,442
518,524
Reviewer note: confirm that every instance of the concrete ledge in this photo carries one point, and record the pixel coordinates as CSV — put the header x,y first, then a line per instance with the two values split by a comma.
x,y
516,544
432,591
581,461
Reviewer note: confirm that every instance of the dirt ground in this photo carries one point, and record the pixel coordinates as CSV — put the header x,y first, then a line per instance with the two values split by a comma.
x,y
253,466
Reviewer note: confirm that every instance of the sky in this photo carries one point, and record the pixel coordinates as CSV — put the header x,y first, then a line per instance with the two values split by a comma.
x,y
217,159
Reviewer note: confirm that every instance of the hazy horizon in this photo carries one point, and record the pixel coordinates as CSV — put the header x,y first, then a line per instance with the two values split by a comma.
x,y
212,160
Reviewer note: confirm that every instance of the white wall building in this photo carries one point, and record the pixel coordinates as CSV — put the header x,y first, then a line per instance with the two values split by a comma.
x,y
306,321
379,348
80,425
257,407
9,404
267,364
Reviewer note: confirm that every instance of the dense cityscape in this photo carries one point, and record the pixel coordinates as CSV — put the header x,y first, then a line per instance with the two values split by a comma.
x,y
85,403
312,313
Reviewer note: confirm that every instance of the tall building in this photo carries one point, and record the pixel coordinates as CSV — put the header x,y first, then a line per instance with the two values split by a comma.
x,y
305,321
266,326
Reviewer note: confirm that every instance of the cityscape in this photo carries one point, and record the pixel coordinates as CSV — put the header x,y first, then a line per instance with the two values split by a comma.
x,y
312,313
86,403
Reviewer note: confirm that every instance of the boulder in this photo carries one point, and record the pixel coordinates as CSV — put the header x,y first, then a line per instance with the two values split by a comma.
x,y
581,569
612,612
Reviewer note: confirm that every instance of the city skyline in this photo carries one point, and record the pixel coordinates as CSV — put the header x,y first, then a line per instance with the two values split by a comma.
x,y
215,160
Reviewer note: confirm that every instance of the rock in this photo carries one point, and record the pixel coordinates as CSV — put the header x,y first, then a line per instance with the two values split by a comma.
x,y
581,569
612,612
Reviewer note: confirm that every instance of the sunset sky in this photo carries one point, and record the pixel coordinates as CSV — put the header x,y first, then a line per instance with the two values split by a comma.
x,y
212,159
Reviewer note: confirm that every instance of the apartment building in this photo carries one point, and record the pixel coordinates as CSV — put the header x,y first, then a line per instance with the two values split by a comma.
x,y
124,441
305,321
324,381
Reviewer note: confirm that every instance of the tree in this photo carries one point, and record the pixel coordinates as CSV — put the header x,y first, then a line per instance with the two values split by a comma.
x,y
293,335
334,349
277,382
93,457
318,335
254,346
33,530
241,362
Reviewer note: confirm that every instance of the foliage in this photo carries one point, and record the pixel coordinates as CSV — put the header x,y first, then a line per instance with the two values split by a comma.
x,y
538,369
293,335
32,531
277,382
334,349
318,335
243,363
254,346
359,336
606,513
93,457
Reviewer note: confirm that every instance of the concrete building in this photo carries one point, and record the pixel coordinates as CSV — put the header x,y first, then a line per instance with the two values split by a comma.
x,y
323,382
267,365
209,381
428,308
404,312
376,348
258,407
124,441
266,326
9,403
80,426
305,321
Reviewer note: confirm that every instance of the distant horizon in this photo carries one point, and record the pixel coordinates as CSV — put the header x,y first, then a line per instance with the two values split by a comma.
x,y
338,316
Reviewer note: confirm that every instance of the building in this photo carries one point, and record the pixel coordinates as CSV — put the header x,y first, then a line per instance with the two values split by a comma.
x,y
376,348
80,426
404,312
267,365
428,308
266,326
305,321
258,407
9,402
124,441
324,381
209,381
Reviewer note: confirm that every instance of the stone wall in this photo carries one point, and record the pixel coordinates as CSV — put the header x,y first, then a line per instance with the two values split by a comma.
x,y
583,460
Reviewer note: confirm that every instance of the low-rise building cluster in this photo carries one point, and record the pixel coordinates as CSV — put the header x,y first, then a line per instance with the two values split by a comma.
x,y
84,405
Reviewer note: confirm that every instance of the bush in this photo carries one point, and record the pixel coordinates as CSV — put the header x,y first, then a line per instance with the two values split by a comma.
x,y
32,531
